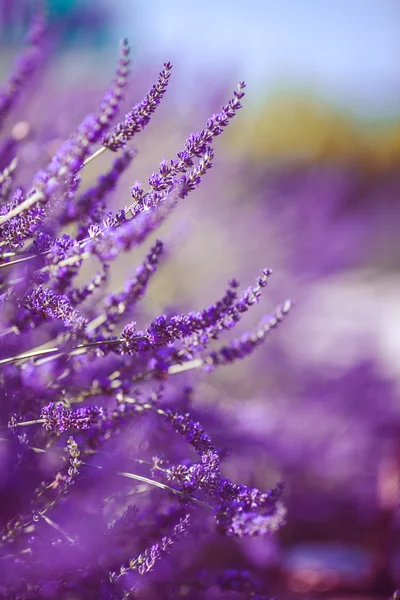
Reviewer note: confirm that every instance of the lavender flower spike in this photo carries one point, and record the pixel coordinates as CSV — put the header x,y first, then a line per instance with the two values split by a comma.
x,y
118,304
57,418
139,116
146,561
198,145
248,342
47,304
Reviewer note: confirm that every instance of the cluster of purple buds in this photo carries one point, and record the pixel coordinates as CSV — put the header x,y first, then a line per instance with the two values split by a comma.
x,y
62,370
57,418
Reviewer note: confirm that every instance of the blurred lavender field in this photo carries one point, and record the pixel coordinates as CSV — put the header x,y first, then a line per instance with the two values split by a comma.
x,y
306,182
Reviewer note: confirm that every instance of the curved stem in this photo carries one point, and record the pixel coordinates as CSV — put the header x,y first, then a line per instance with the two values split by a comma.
x,y
162,486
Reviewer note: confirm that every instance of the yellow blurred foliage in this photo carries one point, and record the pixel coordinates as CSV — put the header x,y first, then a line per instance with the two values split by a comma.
x,y
298,129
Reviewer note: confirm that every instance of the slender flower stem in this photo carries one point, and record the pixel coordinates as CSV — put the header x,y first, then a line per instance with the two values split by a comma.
x,y
12,329
180,368
36,353
34,199
162,486
25,205
141,478
96,322
56,527
20,260
94,155
34,422
174,369
9,170
72,260
67,262
27,355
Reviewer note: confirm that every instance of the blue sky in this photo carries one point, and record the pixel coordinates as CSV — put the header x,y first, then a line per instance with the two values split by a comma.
x,y
345,50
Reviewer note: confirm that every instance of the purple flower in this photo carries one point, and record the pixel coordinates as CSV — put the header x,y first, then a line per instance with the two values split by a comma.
x,y
246,512
49,305
139,116
56,417
90,515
